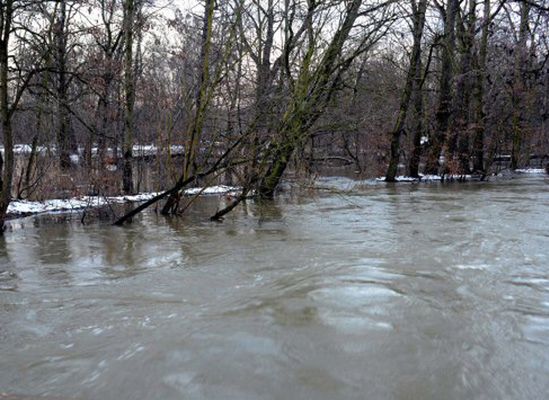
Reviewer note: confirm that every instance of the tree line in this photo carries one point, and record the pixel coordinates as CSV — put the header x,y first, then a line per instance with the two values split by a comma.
x,y
253,89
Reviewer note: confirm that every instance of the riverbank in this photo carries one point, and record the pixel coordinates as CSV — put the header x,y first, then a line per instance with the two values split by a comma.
x,y
453,178
23,208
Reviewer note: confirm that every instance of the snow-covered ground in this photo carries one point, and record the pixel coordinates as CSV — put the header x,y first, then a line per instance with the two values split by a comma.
x,y
24,207
428,178
530,171
213,190
348,184
434,178
138,150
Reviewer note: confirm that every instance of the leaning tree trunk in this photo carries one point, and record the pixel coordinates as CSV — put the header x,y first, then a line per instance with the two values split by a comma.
x,y
202,91
312,90
202,97
419,23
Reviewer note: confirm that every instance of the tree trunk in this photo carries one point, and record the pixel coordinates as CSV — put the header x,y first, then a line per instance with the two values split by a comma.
x,y
312,90
444,110
521,53
458,147
129,96
104,110
201,93
201,103
419,115
6,162
66,141
478,94
415,62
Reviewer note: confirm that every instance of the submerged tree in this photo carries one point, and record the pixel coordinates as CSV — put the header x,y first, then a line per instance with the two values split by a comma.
x,y
253,91
204,92
316,81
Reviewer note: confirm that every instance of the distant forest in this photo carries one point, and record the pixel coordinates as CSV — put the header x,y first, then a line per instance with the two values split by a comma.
x,y
246,91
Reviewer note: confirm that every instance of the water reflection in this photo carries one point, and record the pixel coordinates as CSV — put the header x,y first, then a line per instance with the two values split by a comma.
x,y
123,253
268,211
8,274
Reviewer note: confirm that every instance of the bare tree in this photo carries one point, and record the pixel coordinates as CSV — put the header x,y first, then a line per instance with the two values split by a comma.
x,y
13,83
444,107
418,14
519,84
479,113
316,82
129,95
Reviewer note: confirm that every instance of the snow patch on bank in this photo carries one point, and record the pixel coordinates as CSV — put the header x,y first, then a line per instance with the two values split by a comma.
x,y
348,184
530,171
213,190
138,150
429,178
25,207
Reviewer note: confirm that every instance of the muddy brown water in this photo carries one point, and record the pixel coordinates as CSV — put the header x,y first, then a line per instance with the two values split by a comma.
x,y
384,292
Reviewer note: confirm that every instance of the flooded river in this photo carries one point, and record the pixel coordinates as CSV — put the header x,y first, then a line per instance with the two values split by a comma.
x,y
365,292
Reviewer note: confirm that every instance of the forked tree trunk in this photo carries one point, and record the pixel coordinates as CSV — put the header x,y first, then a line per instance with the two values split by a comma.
x,y
201,104
312,89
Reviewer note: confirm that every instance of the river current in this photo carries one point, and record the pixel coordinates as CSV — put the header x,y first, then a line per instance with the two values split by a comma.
x,y
348,291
